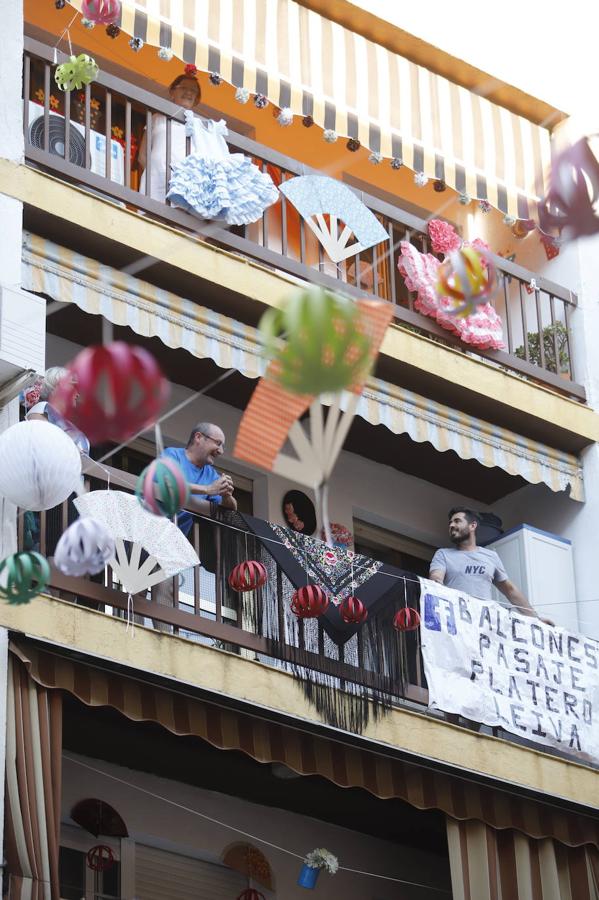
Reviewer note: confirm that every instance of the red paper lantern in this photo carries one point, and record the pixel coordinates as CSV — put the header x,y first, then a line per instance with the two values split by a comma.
x,y
251,894
353,611
247,576
309,602
111,392
100,858
101,12
406,619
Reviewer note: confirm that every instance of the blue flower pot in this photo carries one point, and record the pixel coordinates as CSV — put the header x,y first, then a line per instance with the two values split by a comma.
x,y
308,877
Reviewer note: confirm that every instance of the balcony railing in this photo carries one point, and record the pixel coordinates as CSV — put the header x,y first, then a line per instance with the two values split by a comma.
x,y
90,138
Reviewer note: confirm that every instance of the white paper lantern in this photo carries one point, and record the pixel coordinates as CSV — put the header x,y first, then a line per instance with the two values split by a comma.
x,y
84,548
40,465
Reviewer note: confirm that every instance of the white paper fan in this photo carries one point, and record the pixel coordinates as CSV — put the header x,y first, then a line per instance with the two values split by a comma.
x,y
169,551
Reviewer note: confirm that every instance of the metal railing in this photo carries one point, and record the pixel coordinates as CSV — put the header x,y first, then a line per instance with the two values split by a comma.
x,y
92,138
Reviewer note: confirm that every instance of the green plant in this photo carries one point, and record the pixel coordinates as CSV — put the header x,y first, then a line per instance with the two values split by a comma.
x,y
554,337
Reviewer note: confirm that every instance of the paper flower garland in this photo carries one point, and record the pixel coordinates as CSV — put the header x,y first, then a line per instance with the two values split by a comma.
x,y
324,350
285,116
307,121
84,548
101,12
113,31
87,23
41,465
27,574
420,179
353,145
242,95
375,158
75,73
136,44
215,79
165,53
439,186
464,198
260,101
509,220
329,135
396,162
484,206
162,489
60,4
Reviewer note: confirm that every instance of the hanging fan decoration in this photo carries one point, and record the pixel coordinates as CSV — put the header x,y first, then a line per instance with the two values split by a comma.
x,y
323,203
41,466
26,576
167,551
325,346
112,392
247,576
353,611
468,277
570,204
84,548
406,619
101,12
77,72
162,489
309,602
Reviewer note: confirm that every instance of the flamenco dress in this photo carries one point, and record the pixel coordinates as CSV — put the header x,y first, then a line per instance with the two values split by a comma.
x,y
214,183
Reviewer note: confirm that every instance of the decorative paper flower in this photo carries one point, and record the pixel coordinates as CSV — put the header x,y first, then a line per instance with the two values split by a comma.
x,y
87,23
285,116
443,236
215,79
464,198
375,158
320,858
509,220
60,4
260,101
136,43
54,102
439,186
242,95
165,53
117,133
396,162
113,31
420,179
190,70
484,206
329,135
353,145
79,70
307,121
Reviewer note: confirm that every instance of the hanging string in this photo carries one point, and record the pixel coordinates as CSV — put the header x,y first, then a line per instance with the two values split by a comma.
x,y
66,31
247,834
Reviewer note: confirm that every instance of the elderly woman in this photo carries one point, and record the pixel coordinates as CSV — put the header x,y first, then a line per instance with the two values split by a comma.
x,y
44,411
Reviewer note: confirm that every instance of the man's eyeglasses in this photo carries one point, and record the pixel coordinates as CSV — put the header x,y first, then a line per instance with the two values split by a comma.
x,y
215,441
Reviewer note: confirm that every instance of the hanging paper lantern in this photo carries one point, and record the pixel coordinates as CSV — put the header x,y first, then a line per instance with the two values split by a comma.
x,y
251,894
468,277
101,12
27,574
324,349
573,192
111,392
75,73
248,576
173,490
406,619
353,611
309,602
40,465
84,548
100,858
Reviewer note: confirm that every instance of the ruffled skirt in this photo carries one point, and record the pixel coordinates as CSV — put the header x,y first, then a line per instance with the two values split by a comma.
x,y
232,189
482,328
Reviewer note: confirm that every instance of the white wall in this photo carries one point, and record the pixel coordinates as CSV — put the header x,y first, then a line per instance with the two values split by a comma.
x,y
154,822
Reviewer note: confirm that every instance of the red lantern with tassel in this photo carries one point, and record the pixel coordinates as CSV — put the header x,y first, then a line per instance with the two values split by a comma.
x,y
251,894
247,576
353,611
309,602
406,619
111,392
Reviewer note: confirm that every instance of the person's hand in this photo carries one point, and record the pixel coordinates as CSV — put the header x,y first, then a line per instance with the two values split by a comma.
x,y
222,485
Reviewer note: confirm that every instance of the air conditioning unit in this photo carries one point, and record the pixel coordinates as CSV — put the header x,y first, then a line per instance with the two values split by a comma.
x,y
56,142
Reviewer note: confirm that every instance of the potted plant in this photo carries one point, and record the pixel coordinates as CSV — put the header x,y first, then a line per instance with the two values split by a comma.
x,y
554,336
315,861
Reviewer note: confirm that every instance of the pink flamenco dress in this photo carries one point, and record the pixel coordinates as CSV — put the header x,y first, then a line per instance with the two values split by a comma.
x,y
420,271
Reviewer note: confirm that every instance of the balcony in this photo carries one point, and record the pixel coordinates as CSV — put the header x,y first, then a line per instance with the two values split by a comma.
x,y
97,150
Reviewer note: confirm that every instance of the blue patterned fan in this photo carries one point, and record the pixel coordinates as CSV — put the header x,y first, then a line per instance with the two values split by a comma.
x,y
317,196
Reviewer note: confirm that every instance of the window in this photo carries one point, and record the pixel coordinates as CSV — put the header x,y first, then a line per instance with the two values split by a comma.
x,y
79,882
160,875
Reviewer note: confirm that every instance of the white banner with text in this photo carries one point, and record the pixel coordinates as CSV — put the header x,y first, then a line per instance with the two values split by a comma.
x,y
500,668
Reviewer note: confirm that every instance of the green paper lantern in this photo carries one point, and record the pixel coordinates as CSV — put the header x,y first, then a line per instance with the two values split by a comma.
x,y
173,490
27,574
324,350
77,72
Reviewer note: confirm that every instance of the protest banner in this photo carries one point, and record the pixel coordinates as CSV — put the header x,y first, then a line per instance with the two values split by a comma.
x,y
499,667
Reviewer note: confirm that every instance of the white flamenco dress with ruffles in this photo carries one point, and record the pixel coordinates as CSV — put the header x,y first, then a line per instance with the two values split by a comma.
x,y
214,183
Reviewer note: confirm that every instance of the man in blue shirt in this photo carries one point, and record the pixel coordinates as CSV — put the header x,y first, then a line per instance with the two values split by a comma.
x,y
206,443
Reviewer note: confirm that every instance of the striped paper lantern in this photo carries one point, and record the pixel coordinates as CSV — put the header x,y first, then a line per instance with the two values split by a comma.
x,y
309,602
247,576
353,611
406,619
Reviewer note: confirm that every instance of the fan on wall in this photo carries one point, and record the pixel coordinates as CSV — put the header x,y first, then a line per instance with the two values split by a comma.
x,y
167,552
324,202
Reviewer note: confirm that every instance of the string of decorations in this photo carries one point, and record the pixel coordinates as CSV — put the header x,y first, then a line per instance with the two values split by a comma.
x,y
194,812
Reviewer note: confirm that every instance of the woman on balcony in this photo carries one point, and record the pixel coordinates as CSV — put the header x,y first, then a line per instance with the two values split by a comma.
x,y
211,182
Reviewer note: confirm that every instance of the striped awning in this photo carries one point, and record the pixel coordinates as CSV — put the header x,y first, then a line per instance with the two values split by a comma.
x,y
357,88
301,751
149,311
